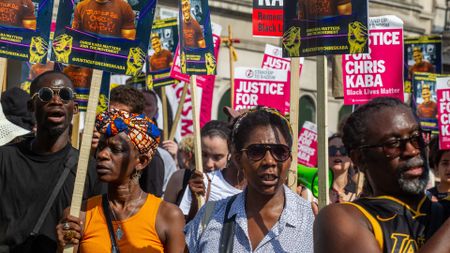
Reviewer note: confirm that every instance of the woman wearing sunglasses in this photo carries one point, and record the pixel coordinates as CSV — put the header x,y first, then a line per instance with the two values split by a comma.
x,y
267,216
344,189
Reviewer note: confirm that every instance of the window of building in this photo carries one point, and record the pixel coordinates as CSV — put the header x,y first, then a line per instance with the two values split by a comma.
x,y
307,111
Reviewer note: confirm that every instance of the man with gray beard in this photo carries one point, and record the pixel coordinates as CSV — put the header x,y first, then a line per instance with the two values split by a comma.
x,y
384,140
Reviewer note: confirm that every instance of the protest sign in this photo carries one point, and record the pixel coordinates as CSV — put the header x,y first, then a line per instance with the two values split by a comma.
x,y
25,29
273,59
113,39
81,79
164,41
443,98
379,72
324,27
422,54
307,145
267,18
424,100
196,40
176,73
255,86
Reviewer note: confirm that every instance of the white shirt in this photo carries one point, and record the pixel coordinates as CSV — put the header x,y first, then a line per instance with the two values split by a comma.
x,y
169,166
220,189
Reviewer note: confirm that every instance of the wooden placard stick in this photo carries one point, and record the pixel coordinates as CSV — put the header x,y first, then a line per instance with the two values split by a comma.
x,y
196,126
75,140
322,129
77,196
179,110
293,116
3,73
165,114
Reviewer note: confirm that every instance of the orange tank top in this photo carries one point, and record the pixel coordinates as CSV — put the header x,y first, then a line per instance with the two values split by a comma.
x,y
139,231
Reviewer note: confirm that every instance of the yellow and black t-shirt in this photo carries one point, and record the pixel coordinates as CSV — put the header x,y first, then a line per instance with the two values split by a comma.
x,y
396,226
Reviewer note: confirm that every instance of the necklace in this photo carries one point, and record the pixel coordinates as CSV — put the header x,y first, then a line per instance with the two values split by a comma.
x,y
119,230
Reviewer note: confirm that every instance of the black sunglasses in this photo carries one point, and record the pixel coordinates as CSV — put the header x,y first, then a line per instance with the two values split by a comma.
x,y
332,150
393,148
257,152
45,94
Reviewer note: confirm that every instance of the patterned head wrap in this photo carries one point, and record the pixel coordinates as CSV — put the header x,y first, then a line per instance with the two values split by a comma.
x,y
238,121
141,130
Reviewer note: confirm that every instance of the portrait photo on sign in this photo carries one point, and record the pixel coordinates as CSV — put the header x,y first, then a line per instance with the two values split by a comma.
x,y
18,13
110,18
320,9
111,35
421,58
192,24
25,29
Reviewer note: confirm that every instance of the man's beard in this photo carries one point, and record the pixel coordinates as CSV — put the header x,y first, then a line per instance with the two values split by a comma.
x,y
414,186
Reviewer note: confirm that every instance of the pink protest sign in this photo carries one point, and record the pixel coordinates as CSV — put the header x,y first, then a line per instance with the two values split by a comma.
x,y
380,72
255,86
307,145
273,59
443,98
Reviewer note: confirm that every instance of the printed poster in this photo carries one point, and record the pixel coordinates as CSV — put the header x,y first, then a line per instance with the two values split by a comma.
x,y
443,98
113,38
81,78
379,72
164,41
196,40
176,72
267,18
25,29
324,27
422,54
255,86
307,145
424,100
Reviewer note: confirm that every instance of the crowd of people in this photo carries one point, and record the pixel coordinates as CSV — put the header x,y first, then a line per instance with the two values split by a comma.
x,y
144,194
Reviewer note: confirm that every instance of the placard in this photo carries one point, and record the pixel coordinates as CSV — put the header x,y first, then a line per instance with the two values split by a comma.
x,y
378,73
196,40
25,29
255,86
112,37
267,18
422,54
324,27
164,41
443,98
307,145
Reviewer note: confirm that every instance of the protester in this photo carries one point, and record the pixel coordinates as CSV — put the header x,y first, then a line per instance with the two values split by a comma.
x,y
10,132
440,161
344,188
153,178
30,170
399,217
14,102
169,148
141,222
222,178
180,178
267,216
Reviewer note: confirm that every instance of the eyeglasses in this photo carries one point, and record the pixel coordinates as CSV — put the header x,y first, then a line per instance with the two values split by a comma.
x,y
393,148
257,152
332,150
45,94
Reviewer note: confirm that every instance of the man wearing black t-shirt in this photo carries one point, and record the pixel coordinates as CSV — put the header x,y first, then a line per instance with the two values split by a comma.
x,y
29,170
